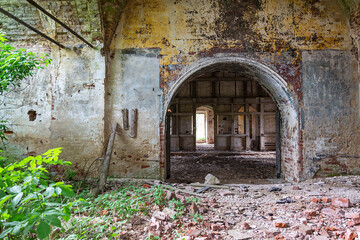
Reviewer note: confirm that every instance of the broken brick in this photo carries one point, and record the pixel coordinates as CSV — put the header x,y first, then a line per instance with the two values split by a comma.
x,y
352,215
280,224
341,202
316,200
310,212
216,227
350,235
353,222
246,226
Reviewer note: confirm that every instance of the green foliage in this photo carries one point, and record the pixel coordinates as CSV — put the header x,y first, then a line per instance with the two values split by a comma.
x,y
3,129
70,174
109,214
30,203
17,64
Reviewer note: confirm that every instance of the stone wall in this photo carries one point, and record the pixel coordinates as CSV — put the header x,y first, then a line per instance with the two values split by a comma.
x,y
312,46
67,97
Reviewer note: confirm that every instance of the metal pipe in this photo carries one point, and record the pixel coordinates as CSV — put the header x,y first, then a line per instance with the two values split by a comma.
x,y
58,21
30,27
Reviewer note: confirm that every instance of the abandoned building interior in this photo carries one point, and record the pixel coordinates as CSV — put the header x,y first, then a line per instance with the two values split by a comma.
x,y
240,89
238,115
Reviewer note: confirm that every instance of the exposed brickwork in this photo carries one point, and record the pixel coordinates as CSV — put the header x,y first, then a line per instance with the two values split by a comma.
x,y
80,15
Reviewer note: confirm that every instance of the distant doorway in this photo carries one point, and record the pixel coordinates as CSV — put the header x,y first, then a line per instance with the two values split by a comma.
x,y
204,128
200,128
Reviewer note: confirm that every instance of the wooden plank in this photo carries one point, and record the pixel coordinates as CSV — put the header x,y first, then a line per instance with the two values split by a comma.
x,y
168,144
208,185
194,125
133,123
203,189
278,144
215,126
247,128
125,115
262,140
106,163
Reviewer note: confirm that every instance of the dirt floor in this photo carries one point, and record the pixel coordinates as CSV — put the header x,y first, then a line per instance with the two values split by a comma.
x,y
228,166
317,209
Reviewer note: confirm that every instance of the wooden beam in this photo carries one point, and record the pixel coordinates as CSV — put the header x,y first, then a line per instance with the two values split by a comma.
x,y
168,144
125,115
278,144
106,163
247,128
30,27
58,21
262,138
133,123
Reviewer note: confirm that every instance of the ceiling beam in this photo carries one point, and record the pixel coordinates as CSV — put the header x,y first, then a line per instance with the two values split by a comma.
x,y
30,27
59,22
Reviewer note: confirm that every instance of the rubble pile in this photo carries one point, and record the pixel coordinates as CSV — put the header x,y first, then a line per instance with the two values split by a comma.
x,y
316,209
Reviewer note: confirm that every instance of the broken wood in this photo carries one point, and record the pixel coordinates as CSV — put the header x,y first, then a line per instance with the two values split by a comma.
x,y
105,169
125,115
183,191
208,185
133,122
203,189
170,187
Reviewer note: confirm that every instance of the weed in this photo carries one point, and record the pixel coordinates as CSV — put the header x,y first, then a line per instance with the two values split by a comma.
x,y
69,174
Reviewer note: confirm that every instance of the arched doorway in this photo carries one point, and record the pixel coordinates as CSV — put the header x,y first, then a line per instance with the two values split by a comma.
x,y
271,84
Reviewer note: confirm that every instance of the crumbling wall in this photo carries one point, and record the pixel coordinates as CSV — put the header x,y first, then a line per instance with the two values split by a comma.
x,y
153,43
331,113
63,104
274,33
134,84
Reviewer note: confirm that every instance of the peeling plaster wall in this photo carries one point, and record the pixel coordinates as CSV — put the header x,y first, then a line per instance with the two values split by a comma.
x,y
134,84
148,46
68,97
331,113
273,33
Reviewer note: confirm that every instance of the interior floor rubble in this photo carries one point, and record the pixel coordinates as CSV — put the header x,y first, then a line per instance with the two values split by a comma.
x,y
228,166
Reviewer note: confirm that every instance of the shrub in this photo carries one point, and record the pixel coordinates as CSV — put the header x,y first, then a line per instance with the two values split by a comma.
x,y
30,203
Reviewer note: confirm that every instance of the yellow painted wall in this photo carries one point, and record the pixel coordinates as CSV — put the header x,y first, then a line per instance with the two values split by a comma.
x,y
181,29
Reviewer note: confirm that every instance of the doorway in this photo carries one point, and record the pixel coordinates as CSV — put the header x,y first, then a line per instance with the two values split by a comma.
x,y
288,136
222,123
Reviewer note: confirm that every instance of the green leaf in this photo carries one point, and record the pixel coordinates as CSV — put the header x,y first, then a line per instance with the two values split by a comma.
x,y
16,229
58,191
67,191
28,226
5,232
43,230
33,164
53,212
15,189
4,199
49,192
16,200
54,221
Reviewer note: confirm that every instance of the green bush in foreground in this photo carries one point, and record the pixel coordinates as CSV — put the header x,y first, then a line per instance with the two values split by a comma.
x,y
30,203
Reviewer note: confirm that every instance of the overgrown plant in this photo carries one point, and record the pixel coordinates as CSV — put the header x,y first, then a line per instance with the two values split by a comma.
x,y
30,203
16,65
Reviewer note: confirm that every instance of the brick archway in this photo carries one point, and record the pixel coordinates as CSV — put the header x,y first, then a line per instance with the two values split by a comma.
x,y
273,84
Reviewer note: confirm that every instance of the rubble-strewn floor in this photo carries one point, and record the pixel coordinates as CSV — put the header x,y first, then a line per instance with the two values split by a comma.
x,y
228,166
319,209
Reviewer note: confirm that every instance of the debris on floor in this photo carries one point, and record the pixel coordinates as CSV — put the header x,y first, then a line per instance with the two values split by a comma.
x,y
326,208
226,166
